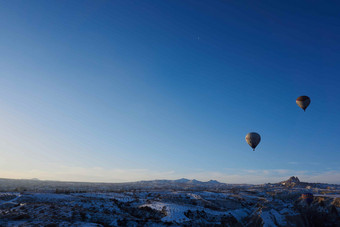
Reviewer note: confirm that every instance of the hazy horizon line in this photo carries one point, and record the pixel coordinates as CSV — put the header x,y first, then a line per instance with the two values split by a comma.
x,y
159,179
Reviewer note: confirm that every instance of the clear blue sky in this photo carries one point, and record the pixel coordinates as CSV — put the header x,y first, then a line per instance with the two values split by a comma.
x,y
131,90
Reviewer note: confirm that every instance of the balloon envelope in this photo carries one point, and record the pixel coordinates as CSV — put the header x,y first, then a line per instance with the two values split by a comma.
x,y
308,197
253,139
303,102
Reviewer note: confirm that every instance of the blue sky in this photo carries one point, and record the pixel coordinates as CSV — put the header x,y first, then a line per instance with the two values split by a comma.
x,y
133,90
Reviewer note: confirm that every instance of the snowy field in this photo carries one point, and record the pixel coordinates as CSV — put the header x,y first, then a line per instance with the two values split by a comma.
x,y
250,205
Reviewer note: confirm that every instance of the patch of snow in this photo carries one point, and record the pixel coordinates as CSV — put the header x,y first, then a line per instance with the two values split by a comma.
x,y
121,197
10,201
280,219
156,206
267,219
270,217
194,196
239,214
175,213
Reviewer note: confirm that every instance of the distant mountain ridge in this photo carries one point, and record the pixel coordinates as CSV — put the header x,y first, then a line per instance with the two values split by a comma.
x,y
21,185
182,181
179,184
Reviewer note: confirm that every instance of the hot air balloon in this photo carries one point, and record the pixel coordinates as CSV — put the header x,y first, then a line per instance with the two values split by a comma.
x,y
253,139
303,102
307,197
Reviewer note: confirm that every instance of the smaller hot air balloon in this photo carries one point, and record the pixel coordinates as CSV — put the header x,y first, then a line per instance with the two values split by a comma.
x,y
303,102
307,197
253,139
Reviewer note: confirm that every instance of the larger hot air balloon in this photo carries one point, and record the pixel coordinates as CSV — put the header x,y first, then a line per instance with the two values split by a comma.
x,y
303,102
253,139
307,197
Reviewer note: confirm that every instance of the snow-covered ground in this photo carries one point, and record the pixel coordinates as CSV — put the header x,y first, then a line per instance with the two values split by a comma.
x,y
244,205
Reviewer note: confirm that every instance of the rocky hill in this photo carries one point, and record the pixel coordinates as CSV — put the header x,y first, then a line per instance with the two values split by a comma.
x,y
291,182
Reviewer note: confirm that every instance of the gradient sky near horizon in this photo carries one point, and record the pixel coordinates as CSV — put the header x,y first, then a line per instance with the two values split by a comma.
x,y
117,91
